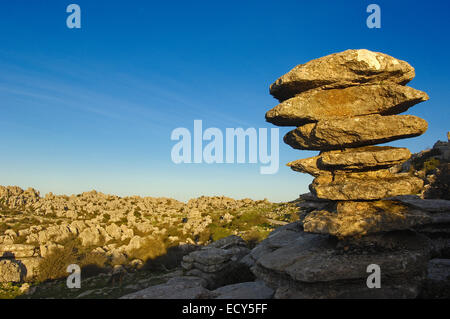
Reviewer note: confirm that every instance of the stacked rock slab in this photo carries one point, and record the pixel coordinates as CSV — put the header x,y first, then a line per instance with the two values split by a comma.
x,y
343,104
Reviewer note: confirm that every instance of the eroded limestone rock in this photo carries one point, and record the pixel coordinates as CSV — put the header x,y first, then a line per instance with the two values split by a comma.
x,y
343,69
318,104
355,132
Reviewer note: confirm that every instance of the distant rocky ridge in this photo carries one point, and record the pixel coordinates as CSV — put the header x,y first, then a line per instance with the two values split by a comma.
x,y
119,230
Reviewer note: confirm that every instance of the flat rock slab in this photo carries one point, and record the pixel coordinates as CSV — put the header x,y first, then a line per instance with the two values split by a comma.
x,y
307,165
343,69
18,251
437,285
244,290
185,287
10,271
318,104
229,242
362,158
209,256
431,205
371,185
354,132
363,218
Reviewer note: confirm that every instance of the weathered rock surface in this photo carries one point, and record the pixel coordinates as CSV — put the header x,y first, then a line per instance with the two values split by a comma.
x,y
437,284
340,70
308,165
18,251
244,290
431,205
176,288
304,265
354,132
362,218
370,185
364,157
219,266
10,271
318,104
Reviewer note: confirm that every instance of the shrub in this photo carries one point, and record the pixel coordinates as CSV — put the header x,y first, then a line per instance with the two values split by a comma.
x,y
254,236
430,164
218,232
54,265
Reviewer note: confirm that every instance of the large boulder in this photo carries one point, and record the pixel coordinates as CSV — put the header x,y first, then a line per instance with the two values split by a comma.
x,y
11,271
318,104
219,263
370,185
362,218
18,251
354,132
340,70
303,265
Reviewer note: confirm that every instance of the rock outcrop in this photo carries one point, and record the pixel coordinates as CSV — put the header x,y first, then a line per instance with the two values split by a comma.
x,y
360,211
298,264
219,263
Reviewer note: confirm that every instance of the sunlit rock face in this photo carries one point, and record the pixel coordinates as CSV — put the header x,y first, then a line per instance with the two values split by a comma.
x,y
362,208
341,70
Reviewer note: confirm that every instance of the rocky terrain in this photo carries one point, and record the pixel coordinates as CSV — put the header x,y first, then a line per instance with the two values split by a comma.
x,y
40,236
369,205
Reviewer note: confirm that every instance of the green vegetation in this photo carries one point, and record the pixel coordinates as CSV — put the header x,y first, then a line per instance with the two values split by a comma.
x,y
54,265
430,165
9,291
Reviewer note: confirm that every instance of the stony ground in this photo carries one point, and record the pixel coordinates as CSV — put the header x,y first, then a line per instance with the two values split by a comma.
x,y
100,231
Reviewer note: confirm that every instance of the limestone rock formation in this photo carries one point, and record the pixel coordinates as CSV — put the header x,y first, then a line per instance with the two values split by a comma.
x,y
340,70
365,157
360,211
351,159
358,131
297,264
10,271
319,104
219,263
362,218
368,185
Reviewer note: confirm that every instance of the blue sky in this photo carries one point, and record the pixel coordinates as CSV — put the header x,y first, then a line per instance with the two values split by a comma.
x,y
94,108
